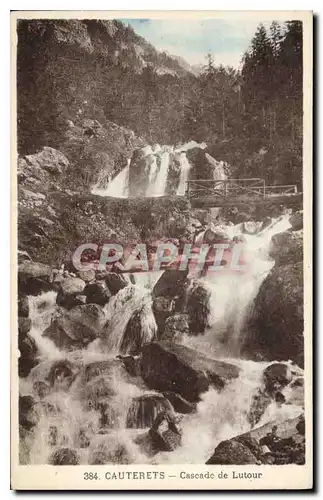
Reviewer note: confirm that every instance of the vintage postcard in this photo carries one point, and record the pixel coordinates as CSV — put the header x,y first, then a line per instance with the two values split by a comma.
x,y
162,250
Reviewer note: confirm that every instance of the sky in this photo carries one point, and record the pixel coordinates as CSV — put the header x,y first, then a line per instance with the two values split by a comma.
x,y
227,40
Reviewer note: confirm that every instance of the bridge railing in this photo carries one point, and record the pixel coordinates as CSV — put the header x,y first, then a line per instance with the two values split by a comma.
x,y
281,190
254,187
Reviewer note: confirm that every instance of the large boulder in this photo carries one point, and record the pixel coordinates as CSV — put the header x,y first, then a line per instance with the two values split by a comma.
x,y
144,410
70,290
198,308
49,159
76,328
275,443
276,323
232,452
171,284
177,368
276,376
34,278
165,435
141,329
287,247
29,354
97,293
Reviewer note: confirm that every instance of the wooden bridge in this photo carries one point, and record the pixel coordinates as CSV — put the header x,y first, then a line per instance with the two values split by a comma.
x,y
235,192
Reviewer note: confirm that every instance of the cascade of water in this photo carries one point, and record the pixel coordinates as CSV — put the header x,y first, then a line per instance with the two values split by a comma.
x,y
233,292
118,187
185,168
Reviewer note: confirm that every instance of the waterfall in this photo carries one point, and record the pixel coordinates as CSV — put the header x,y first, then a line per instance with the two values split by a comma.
x,y
185,168
158,174
118,187
232,293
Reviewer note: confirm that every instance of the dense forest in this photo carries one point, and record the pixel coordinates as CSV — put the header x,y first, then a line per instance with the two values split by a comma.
x,y
251,118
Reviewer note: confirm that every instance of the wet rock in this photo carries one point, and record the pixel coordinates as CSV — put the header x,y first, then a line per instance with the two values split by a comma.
x,y
276,323
24,325
69,301
296,220
131,364
83,439
198,307
164,433
260,401
277,443
64,456
76,328
180,404
34,278
144,410
141,328
26,416
97,293
98,391
23,306
41,388
175,327
115,282
177,368
109,368
287,247
87,275
163,308
61,374
232,452
111,452
276,376
171,284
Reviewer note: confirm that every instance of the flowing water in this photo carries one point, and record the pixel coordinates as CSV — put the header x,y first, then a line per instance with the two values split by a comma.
x,y
64,416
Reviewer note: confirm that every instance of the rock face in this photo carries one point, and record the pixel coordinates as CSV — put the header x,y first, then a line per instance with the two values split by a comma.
x,y
276,325
176,368
274,443
287,247
34,278
76,328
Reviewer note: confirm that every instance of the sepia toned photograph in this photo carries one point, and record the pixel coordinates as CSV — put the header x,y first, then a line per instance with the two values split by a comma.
x,y
162,174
